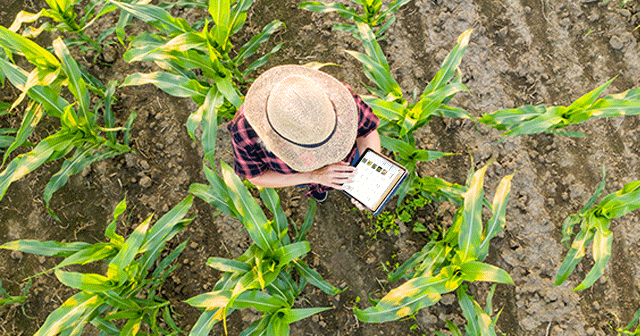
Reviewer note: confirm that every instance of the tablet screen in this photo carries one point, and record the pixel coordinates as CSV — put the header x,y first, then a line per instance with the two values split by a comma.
x,y
376,179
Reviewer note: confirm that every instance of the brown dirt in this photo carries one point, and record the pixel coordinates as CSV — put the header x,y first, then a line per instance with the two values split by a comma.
x,y
521,52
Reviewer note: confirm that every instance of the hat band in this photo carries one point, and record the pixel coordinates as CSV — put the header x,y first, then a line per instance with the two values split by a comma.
x,y
313,145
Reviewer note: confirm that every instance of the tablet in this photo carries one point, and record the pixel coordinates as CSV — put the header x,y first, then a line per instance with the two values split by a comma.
x,y
377,178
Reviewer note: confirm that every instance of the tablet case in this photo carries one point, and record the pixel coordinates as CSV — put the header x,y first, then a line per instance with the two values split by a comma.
x,y
393,190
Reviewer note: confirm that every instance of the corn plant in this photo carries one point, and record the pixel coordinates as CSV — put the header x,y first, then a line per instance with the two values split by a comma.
x,y
594,226
443,265
530,119
629,330
198,64
79,132
372,14
129,290
479,321
66,20
261,277
6,299
398,117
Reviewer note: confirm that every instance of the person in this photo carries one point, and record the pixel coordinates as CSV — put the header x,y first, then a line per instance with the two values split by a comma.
x,y
301,126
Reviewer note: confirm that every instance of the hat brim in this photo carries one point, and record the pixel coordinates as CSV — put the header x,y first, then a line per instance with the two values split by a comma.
x,y
297,157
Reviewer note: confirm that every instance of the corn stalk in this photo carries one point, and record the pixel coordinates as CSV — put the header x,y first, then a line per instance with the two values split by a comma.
x,y
128,291
372,15
443,265
594,227
80,132
530,119
261,277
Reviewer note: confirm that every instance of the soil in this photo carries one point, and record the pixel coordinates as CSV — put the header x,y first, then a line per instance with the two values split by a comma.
x,y
521,52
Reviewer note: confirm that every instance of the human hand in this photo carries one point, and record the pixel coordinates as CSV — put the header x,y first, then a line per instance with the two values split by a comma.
x,y
357,204
334,175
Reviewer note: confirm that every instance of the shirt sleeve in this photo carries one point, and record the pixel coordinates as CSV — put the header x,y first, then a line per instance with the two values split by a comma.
x,y
367,120
247,163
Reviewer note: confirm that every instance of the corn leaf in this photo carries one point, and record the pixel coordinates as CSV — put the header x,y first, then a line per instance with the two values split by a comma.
x,y
271,200
254,219
371,46
573,257
174,85
477,271
25,163
622,202
46,248
471,229
314,278
77,85
602,246
261,301
261,61
34,53
308,220
506,119
68,314
209,195
295,315
496,223
250,48
155,16
163,228
85,282
116,268
589,98
451,62
206,321
378,75
227,265
29,121
383,109
320,7
550,119
288,253
226,87
405,300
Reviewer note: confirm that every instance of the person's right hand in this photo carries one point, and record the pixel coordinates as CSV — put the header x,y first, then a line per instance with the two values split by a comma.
x,y
334,175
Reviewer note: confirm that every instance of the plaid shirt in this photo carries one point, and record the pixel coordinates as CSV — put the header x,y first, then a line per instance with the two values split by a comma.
x,y
252,159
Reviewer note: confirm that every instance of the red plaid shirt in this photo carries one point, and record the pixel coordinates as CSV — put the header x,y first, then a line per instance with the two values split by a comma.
x,y
252,159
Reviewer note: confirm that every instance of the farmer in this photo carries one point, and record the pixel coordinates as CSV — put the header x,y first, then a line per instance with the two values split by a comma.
x,y
300,126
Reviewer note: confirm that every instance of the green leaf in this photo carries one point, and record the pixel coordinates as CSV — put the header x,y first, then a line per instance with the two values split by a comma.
x,y
116,268
86,282
29,121
227,265
320,7
47,248
383,109
174,85
249,48
25,163
69,314
226,87
451,62
314,278
371,46
405,300
288,253
163,228
308,220
155,16
34,53
471,229
271,200
589,98
254,219
379,75
601,249
295,315
477,271
573,257
261,301
77,85
497,221
206,321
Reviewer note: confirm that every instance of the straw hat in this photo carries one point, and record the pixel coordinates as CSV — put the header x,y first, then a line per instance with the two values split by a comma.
x,y
305,117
